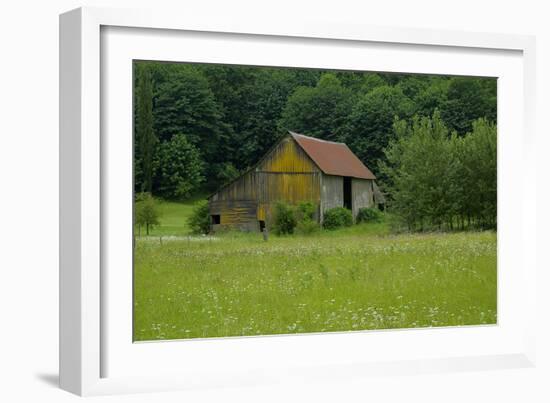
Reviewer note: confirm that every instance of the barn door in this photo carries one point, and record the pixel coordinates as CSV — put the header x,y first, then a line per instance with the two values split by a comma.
x,y
347,193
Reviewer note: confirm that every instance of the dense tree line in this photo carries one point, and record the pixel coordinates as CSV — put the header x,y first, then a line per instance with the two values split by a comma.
x,y
440,180
199,126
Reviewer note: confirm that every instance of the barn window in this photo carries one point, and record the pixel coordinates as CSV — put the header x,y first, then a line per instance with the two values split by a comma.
x,y
347,192
216,219
262,225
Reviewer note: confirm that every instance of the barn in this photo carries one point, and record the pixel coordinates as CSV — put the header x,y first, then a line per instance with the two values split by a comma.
x,y
298,168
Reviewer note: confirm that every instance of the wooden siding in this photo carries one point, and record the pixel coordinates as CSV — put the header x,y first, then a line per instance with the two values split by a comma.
x,y
362,194
287,156
332,193
269,187
286,174
235,213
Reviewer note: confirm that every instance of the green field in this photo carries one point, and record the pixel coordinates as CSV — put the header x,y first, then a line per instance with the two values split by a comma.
x,y
362,277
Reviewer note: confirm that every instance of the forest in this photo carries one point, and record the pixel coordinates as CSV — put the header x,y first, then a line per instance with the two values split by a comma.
x,y
430,140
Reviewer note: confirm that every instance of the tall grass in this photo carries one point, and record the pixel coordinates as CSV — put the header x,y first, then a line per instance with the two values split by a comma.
x,y
360,277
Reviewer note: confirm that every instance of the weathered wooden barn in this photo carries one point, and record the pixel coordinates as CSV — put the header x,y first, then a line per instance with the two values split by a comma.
x,y
298,168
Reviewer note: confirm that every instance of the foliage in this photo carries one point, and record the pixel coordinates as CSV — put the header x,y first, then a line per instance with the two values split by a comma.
x,y
225,173
320,111
477,153
439,180
232,115
337,217
252,100
369,125
431,97
284,220
145,139
468,100
178,168
367,214
306,211
146,212
411,85
305,215
185,104
307,227
199,219
370,82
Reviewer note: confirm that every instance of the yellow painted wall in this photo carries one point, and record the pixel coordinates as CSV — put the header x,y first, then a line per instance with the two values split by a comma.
x,y
287,156
286,174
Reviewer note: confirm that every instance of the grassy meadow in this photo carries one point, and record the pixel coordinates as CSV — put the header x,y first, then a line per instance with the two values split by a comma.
x,y
356,278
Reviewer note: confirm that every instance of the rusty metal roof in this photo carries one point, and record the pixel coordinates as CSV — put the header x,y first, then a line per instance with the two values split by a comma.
x,y
333,158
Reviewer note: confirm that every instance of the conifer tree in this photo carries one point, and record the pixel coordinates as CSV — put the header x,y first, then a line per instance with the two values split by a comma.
x,y
145,136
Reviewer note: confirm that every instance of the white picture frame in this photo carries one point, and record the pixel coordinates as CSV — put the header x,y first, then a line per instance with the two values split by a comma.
x,y
96,354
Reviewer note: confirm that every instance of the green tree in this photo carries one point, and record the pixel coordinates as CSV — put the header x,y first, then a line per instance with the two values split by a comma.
x,y
252,100
431,97
478,174
370,82
370,125
468,100
226,172
145,139
421,167
184,103
438,179
320,111
146,212
233,114
266,96
178,168
413,84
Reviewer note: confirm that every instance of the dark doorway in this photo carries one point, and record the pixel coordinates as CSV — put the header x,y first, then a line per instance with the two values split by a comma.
x,y
347,192
262,225
216,219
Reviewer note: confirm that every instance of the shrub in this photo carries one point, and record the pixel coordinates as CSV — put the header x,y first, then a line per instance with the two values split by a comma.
x,y
306,211
307,227
366,214
337,217
284,219
199,220
146,212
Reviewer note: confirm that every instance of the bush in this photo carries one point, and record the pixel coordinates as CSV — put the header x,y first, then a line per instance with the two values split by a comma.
x,y
368,215
307,227
337,217
199,220
284,220
306,211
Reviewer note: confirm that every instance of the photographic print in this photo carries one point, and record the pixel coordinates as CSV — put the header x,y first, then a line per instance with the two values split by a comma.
x,y
278,200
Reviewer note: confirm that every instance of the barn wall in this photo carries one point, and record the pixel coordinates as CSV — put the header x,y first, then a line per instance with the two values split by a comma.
x,y
332,194
286,187
243,188
235,213
286,174
287,156
268,187
362,194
